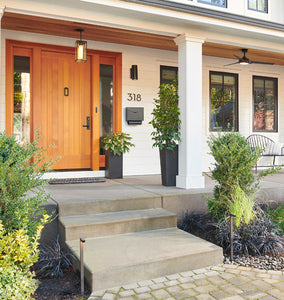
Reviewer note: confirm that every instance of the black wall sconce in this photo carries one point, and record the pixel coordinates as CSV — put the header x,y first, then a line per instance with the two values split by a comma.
x,y
80,48
134,72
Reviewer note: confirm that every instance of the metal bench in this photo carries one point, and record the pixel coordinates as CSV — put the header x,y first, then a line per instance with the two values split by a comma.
x,y
268,146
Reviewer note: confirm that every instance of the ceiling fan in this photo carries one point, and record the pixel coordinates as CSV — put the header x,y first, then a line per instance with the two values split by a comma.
x,y
245,60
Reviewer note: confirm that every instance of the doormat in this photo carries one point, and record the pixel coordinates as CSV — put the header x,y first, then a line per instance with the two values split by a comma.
x,y
76,180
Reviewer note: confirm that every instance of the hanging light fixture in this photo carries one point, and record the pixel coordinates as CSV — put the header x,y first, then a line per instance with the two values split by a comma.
x,y
80,49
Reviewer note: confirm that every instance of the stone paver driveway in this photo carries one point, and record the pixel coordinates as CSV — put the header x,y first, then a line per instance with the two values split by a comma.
x,y
228,282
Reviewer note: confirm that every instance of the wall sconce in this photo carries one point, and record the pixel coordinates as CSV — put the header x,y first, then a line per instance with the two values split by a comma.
x,y
134,72
80,48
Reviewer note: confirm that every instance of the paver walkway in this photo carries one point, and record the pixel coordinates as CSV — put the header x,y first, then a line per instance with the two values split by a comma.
x,y
228,282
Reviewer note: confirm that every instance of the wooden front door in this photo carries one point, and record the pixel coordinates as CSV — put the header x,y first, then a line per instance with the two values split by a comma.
x,y
57,95
64,107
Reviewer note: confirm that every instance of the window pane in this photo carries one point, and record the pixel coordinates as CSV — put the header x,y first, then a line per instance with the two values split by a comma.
x,y
22,97
261,5
214,2
253,4
106,102
265,103
223,95
168,74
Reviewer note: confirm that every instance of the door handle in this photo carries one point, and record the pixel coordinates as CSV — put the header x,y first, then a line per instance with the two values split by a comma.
x,y
88,125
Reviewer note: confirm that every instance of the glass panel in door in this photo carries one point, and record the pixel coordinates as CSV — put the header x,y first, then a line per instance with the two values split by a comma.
x,y
22,98
106,103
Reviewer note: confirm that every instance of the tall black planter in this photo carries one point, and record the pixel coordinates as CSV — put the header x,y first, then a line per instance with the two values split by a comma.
x,y
169,166
113,165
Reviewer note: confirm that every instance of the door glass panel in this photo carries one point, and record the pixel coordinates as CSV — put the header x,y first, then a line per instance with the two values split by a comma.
x,y
22,97
106,103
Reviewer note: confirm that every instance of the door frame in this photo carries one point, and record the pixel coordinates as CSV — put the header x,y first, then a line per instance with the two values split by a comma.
x,y
33,50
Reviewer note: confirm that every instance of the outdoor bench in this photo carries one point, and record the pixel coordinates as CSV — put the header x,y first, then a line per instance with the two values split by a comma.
x,y
268,146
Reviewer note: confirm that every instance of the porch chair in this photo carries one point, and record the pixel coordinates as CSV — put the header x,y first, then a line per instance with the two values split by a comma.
x,y
268,146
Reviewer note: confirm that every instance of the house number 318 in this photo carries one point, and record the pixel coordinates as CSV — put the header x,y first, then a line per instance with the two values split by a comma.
x,y
134,97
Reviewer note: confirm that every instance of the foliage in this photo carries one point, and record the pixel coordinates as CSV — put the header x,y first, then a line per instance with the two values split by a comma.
x,y
234,162
53,260
241,205
21,193
18,253
21,185
190,221
118,143
259,237
166,122
277,216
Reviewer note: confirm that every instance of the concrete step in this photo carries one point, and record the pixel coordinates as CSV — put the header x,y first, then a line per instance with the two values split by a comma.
x,y
128,258
105,224
92,206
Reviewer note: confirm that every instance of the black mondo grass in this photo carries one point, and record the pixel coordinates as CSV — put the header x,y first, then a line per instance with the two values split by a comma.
x,y
257,238
53,260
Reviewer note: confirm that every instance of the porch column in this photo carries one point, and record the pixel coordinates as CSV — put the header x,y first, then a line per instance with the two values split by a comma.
x,y
190,103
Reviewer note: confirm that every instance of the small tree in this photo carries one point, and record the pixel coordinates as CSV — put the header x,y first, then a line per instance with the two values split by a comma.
x,y
166,122
21,193
233,170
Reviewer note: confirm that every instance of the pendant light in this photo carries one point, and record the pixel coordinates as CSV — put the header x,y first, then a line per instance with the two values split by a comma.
x,y
80,49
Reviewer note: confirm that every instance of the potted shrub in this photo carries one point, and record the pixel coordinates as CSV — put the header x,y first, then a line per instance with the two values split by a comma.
x,y
166,133
115,145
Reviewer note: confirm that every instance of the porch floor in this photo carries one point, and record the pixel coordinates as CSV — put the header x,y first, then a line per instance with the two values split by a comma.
x,y
149,186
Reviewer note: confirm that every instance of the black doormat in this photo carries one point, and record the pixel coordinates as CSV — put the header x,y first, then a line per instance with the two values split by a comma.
x,y
76,180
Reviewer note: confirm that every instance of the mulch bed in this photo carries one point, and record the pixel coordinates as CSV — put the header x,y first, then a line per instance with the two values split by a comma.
x,y
67,287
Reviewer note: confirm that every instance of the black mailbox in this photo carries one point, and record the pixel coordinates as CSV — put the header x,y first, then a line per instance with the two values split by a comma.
x,y
134,115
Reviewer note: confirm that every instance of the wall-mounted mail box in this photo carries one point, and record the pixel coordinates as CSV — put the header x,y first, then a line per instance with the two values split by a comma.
x,y
134,115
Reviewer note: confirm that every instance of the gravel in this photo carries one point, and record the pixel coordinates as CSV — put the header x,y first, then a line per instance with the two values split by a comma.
x,y
260,262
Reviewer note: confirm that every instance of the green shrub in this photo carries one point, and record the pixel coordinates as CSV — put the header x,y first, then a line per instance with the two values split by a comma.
x,y
166,122
242,206
19,252
21,184
234,163
21,219
118,143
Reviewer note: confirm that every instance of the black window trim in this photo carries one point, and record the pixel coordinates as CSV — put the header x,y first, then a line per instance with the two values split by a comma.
x,y
204,2
276,102
164,67
236,75
258,10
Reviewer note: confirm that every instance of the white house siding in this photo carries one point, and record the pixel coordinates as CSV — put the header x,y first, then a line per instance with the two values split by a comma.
x,y
144,159
245,99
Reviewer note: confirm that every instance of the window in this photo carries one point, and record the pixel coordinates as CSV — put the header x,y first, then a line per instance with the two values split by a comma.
x,y
259,5
222,3
264,104
223,101
168,74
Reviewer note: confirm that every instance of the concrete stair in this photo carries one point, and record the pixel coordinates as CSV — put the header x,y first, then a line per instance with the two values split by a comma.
x,y
127,258
129,240
112,223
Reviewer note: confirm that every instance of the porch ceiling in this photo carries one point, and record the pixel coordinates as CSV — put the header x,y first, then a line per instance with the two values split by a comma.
x,y
35,24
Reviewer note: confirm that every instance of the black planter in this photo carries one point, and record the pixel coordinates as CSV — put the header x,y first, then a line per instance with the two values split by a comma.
x,y
113,165
169,166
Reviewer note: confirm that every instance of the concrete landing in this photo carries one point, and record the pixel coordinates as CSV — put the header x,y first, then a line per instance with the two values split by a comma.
x,y
122,259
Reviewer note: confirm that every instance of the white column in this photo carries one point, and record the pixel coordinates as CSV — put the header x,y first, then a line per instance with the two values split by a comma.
x,y
190,103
